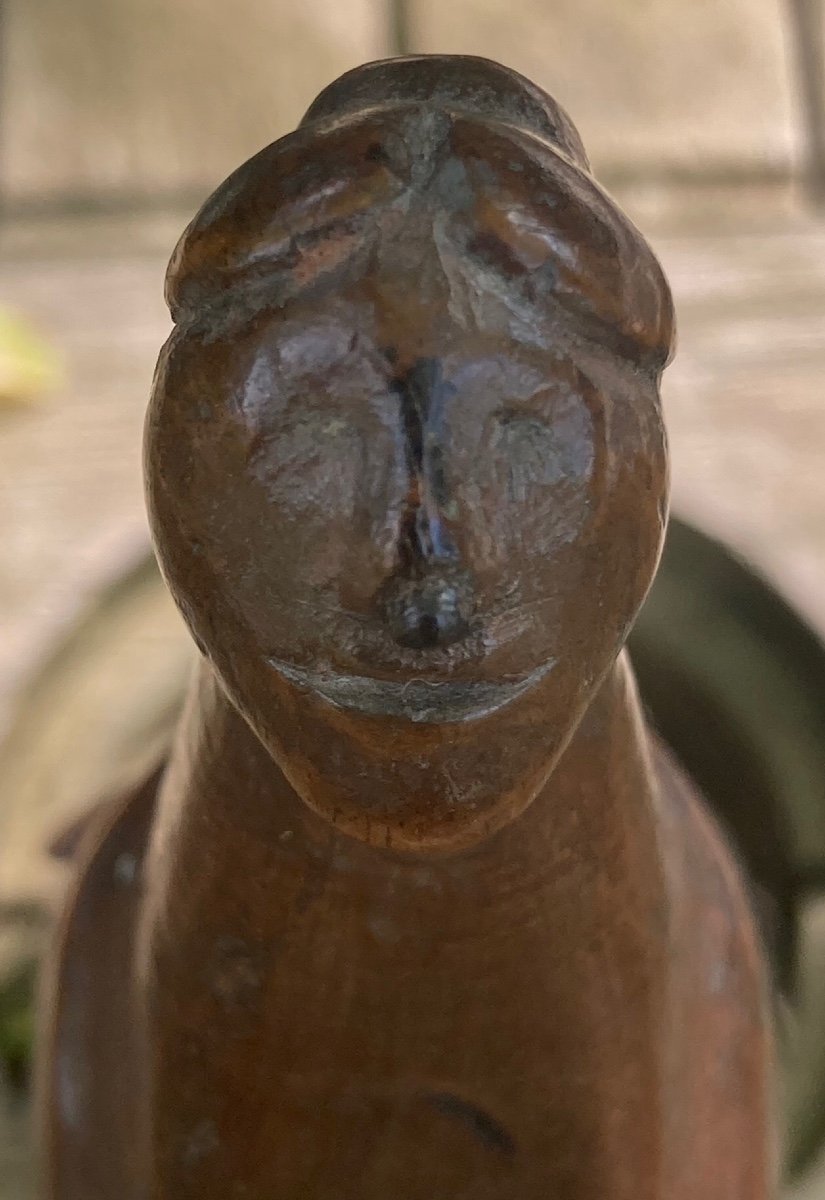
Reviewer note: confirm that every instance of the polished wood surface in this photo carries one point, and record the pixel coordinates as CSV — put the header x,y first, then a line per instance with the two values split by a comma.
x,y
420,908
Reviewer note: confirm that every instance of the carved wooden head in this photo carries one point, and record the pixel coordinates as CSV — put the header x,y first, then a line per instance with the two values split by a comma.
x,y
405,459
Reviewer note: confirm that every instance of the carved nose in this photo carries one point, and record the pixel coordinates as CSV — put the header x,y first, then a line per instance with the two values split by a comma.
x,y
429,612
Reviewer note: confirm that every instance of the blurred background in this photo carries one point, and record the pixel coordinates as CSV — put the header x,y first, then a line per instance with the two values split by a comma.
x,y
705,119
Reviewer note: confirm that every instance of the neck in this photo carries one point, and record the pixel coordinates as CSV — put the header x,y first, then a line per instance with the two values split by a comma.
x,y
469,972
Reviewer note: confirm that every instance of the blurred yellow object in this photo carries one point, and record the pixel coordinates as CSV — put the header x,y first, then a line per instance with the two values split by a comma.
x,y
28,364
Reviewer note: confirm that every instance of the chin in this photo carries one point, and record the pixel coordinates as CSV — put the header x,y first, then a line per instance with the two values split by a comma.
x,y
440,770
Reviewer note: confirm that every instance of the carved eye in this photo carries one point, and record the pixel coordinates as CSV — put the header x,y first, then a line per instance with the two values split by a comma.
x,y
539,454
313,461
531,453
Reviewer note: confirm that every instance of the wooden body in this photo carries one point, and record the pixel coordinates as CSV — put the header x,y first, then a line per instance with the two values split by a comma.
x,y
419,909
363,1024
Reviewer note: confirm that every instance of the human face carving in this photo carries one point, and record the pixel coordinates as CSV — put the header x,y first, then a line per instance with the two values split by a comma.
x,y
410,517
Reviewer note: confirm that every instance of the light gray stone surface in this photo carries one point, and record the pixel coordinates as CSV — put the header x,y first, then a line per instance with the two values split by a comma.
x,y
143,96
650,82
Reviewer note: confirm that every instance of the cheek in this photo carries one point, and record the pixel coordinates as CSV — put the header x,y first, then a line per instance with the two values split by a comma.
x,y
305,536
330,493
529,491
547,478
307,478
311,470
620,549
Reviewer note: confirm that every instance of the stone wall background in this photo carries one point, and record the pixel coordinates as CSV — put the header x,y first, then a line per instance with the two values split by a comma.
x,y
138,104
125,98
653,84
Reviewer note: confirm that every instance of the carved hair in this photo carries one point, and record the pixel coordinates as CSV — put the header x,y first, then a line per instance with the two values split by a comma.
x,y
497,162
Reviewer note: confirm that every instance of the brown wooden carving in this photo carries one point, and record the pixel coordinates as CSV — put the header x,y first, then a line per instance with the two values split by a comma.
x,y
419,909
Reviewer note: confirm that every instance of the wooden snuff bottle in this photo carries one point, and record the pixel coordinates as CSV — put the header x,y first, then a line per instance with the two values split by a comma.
x,y
418,907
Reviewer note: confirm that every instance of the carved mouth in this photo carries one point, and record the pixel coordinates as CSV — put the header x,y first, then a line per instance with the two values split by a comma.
x,y
419,700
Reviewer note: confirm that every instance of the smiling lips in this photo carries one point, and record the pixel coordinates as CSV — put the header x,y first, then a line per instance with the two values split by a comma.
x,y
420,700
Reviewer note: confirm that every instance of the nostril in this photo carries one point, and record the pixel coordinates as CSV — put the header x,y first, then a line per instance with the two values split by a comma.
x,y
421,628
423,614
426,631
